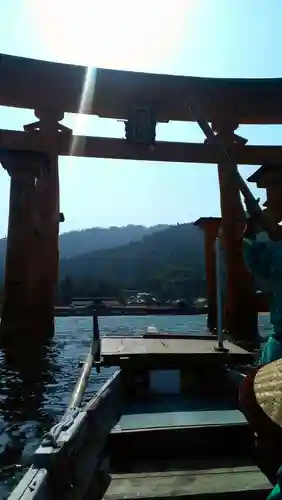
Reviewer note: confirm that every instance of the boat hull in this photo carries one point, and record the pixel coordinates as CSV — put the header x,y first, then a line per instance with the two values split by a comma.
x,y
166,424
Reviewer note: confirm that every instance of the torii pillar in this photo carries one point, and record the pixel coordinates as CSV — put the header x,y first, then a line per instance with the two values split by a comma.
x,y
210,226
46,252
32,245
241,318
24,168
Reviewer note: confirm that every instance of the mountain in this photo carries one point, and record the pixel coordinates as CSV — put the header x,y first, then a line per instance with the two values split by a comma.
x,y
167,260
97,238
171,259
87,240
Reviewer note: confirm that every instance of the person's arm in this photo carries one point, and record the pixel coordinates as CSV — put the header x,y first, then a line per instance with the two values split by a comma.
x,y
253,227
257,254
276,494
262,220
258,257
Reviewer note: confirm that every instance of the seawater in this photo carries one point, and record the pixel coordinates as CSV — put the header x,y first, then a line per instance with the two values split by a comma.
x,y
34,394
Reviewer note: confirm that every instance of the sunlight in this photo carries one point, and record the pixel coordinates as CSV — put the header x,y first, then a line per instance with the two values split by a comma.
x,y
118,35
122,34
86,98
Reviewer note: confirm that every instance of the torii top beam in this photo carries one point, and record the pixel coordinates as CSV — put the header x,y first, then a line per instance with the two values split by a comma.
x,y
29,83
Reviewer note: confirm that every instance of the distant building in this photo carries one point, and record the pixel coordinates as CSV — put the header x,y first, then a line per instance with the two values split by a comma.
x,y
200,302
142,298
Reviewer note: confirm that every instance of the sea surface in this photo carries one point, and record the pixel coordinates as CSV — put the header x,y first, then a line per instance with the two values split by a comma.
x,y
34,391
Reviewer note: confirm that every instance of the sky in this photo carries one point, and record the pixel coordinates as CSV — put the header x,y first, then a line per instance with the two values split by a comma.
x,y
219,38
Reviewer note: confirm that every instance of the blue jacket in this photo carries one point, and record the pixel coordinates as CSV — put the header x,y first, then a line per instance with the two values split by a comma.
x,y
276,494
264,259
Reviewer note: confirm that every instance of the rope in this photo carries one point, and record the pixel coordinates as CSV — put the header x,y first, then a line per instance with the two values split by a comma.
x,y
51,438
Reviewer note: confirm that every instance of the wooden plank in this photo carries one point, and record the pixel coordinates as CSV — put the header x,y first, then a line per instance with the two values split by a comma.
x,y
177,483
151,353
190,463
213,441
104,147
202,335
178,419
29,83
128,346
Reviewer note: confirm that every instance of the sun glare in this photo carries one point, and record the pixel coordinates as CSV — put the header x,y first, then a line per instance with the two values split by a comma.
x,y
117,34
124,34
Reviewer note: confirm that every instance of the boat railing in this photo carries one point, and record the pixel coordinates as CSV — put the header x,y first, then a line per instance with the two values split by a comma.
x,y
93,358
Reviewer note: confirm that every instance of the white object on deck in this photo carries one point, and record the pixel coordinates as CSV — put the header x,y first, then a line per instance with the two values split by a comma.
x,y
152,330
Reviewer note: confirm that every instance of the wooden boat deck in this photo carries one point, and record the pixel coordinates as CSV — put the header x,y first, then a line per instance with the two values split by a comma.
x,y
147,345
241,482
118,350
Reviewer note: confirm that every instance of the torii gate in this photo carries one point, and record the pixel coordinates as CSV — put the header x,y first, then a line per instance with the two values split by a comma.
x,y
31,159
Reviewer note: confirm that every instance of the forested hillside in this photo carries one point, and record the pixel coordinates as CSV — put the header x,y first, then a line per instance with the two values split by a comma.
x,y
168,262
95,238
165,260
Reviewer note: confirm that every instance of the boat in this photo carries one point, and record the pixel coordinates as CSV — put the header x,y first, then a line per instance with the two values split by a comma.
x,y
166,424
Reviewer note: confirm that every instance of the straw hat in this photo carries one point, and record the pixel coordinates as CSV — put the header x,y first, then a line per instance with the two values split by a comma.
x,y
268,390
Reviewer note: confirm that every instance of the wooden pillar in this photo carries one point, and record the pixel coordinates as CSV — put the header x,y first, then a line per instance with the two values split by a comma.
x,y
24,169
48,217
269,176
241,305
210,226
47,251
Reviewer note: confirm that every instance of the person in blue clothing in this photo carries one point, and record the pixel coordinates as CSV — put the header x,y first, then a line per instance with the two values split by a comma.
x,y
264,260
276,493
263,257
261,403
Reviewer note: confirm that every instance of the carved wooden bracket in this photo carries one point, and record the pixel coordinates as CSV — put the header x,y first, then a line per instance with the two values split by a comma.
x,y
48,123
226,131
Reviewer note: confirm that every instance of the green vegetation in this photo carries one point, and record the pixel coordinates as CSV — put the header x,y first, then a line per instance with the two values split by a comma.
x,y
168,263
